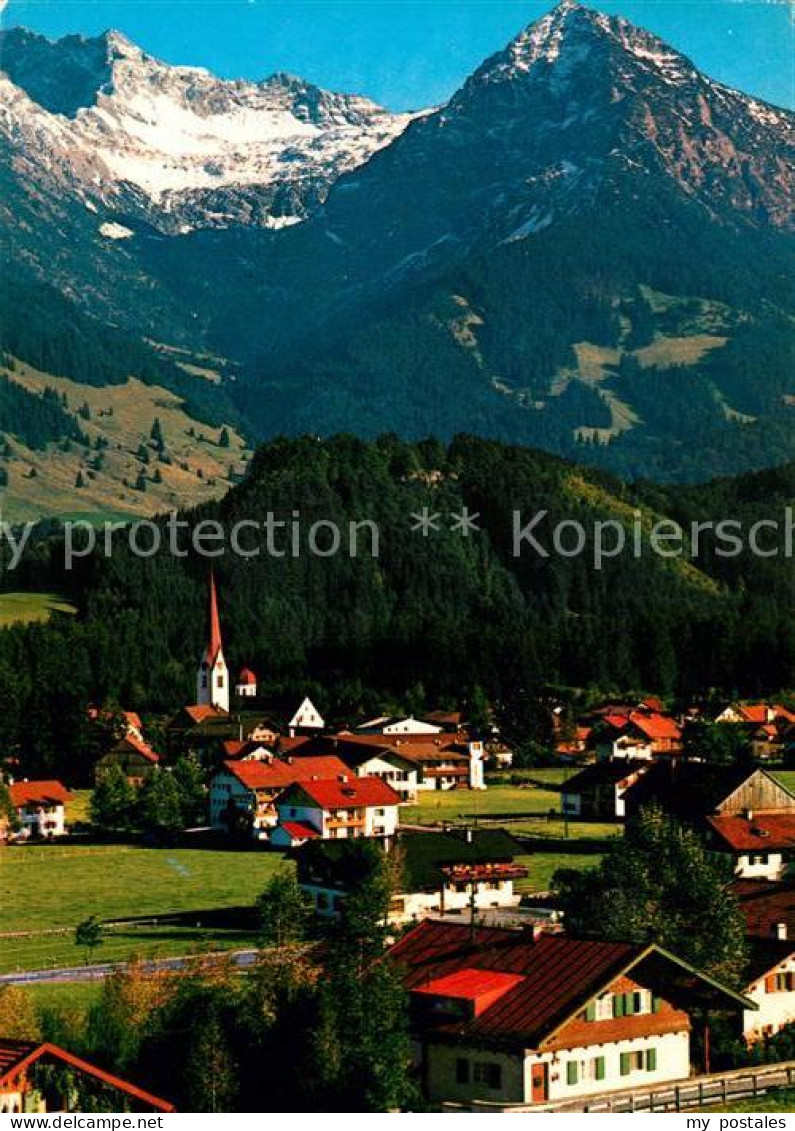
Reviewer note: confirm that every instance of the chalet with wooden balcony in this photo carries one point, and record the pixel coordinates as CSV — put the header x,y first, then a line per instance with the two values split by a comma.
x,y
441,873
243,793
745,813
512,1018
40,808
338,808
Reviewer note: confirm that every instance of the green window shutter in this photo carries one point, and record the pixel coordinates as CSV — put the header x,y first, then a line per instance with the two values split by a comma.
x,y
656,1003
618,1005
629,1006
571,1072
625,1064
651,1060
600,1068
590,1011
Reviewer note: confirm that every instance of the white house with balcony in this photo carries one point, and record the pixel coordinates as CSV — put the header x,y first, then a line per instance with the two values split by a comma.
x,y
40,808
442,873
522,1020
771,986
335,809
244,792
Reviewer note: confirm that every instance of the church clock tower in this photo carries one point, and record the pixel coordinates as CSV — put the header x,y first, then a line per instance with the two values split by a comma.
x,y
212,679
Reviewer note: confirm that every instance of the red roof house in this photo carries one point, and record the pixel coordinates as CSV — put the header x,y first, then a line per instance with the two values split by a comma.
x,y
39,808
136,758
336,808
20,1091
505,1018
250,788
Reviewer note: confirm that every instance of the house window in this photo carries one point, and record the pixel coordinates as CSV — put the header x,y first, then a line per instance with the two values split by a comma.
x,y
323,901
627,1005
219,681
781,983
488,1074
585,1070
644,1060
760,859
461,1071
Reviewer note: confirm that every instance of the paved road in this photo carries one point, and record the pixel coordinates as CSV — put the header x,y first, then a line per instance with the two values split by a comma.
x,y
241,958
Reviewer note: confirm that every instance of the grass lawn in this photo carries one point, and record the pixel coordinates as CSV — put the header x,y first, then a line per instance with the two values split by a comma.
x,y
24,608
552,776
66,997
77,810
506,801
781,1100
543,828
55,886
465,804
786,777
542,865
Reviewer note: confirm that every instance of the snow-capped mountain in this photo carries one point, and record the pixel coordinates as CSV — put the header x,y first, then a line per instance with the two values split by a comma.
x,y
575,109
587,215
581,113
177,146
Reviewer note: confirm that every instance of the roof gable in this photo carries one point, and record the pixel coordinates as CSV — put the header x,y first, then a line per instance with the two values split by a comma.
x,y
560,975
16,1056
38,793
758,790
279,773
343,792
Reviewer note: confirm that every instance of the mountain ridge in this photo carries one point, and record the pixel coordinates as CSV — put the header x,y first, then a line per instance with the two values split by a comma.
x,y
176,146
589,247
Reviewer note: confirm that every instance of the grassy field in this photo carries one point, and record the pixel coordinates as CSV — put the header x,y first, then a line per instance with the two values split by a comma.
x,y
783,1100
464,804
541,866
77,809
787,778
71,997
44,888
539,805
123,416
24,608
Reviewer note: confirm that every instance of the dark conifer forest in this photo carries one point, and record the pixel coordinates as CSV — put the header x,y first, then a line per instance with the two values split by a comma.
x,y
432,620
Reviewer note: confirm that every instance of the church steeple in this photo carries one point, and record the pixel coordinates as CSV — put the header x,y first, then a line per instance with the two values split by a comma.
x,y
215,646
212,679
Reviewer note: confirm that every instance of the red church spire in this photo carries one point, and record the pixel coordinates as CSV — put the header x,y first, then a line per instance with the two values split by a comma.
x,y
214,646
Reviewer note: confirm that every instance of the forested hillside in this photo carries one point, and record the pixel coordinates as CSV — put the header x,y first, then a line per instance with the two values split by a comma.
x,y
36,420
648,348
428,621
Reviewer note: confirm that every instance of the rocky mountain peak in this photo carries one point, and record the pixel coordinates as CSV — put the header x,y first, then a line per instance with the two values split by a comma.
x,y
176,146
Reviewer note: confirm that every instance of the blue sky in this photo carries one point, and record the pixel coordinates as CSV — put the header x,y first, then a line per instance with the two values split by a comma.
x,y
412,53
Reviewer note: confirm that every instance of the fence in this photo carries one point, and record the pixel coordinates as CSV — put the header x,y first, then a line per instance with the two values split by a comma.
x,y
699,1091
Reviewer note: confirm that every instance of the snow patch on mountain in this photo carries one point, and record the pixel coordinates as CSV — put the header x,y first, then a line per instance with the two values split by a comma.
x,y
113,231
176,145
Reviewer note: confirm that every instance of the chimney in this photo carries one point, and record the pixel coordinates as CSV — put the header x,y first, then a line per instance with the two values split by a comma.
x,y
781,930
